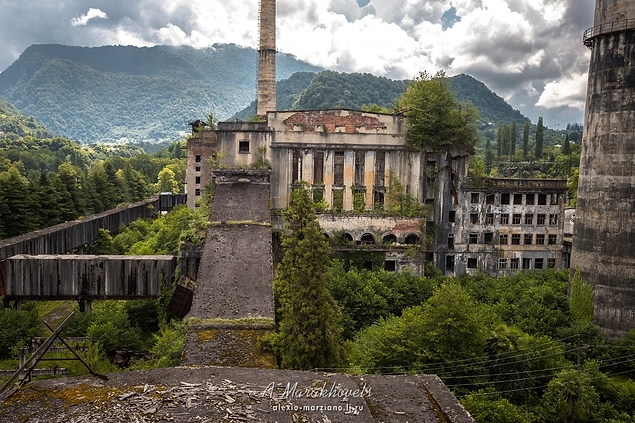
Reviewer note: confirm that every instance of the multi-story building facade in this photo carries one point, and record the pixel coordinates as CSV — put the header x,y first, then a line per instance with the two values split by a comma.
x,y
349,158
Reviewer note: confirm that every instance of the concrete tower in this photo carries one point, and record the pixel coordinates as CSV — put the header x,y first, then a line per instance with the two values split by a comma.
x,y
604,234
267,58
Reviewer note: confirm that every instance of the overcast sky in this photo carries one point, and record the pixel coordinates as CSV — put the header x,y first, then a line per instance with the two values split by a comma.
x,y
529,52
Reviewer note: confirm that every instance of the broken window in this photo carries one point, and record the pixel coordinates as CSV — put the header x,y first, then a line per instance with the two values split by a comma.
x,y
516,219
489,199
553,239
514,263
197,158
318,168
542,199
529,238
412,239
529,199
526,263
541,218
503,239
505,198
489,219
473,238
198,168
540,239
451,241
449,263
474,218
472,263
553,219
197,180
380,168
378,200
489,237
318,195
389,239
360,165
338,171
554,199
504,219
197,192
518,198
529,219
515,239
390,265
538,263
502,263
243,146
452,216
475,198
297,166
338,200
551,263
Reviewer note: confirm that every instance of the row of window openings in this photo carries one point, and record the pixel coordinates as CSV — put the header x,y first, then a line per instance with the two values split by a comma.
x,y
506,198
338,167
503,239
516,218
514,263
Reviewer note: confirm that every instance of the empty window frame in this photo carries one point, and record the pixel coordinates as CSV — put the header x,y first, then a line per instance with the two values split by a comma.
x,y
197,158
318,167
197,180
502,263
541,219
378,200
380,168
514,263
553,219
530,199
528,239
516,218
474,218
338,169
504,219
505,198
526,263
551,263
489,219
451,242
539,263
297,166
488,237
529,219
473,239
542,199
475,198
518,198
489,198
243,146
390,265
449,263
540,239
503,239
553,239
515,239
452,216
554,199
197,192
472,262
198,168
360,166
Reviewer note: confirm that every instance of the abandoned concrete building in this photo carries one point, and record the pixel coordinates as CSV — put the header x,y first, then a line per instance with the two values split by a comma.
x,y
350,158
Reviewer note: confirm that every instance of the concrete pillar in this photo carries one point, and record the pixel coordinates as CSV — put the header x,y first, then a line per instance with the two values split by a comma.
x,y
328,176
604,233
267,58
369,178
349,178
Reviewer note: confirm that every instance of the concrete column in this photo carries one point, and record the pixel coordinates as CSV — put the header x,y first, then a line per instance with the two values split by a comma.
x,y
328,176
369,178
349,178
307,166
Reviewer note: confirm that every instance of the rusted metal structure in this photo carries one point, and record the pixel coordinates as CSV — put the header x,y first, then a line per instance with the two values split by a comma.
x,y
86,277
604,233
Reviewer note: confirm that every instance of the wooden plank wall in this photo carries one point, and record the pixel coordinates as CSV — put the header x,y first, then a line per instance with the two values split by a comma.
x,y
87,277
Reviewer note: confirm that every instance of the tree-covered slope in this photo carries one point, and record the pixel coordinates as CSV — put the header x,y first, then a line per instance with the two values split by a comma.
x,y
123,93
329,90
14,125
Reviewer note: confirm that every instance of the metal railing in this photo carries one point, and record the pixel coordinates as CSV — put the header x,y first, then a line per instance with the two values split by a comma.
x,y
588,38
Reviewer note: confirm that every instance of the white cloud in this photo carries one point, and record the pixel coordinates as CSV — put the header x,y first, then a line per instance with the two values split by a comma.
x,y
565,92
91,14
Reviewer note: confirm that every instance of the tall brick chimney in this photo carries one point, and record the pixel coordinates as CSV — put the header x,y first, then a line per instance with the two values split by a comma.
x,y
267,58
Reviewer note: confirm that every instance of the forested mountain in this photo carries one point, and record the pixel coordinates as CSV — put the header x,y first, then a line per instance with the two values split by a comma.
x,y
328,90
14,125
131,94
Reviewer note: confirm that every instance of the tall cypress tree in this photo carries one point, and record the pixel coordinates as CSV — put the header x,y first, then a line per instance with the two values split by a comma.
x,y
514,136
499,143
566,147
309,327
489,157
526,140
539,138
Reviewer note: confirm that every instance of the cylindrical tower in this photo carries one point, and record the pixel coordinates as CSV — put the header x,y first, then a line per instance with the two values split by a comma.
x,y
267,58
604,233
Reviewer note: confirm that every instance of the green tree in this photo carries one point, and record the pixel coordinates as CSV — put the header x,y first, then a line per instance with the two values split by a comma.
x,y
489,157
435,118
514,136
499,143
166,181
539,139
581,299
571,397
566,147
18,213
309,328
526,140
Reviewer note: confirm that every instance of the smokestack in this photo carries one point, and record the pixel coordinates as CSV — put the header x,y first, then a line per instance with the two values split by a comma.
x,y
604,231
267,58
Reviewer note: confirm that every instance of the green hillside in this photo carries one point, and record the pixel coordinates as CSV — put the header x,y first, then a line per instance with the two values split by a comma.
x,y
131,94
14,125
329,90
